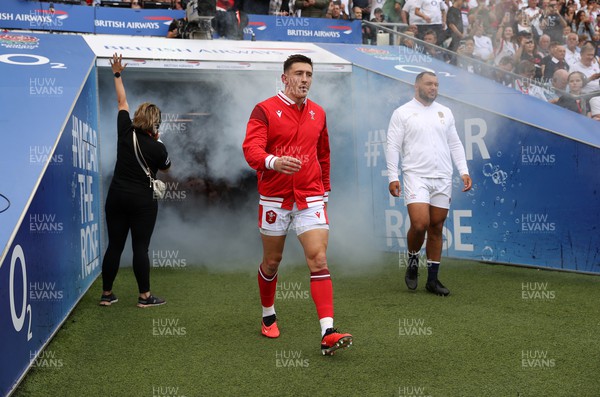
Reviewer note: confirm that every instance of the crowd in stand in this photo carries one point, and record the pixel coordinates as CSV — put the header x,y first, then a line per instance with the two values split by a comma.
x,y
552,46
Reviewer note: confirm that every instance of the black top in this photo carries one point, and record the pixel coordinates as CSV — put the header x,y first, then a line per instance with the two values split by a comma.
x,y
454,17
129,175
578,105
553,28
550,67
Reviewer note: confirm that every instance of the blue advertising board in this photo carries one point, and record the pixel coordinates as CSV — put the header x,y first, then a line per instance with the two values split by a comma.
x,y
41,76
50,233
134,22
28,15
534,166
312,30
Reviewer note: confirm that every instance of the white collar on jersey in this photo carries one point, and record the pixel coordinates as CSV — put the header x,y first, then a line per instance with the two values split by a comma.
x,y
287,100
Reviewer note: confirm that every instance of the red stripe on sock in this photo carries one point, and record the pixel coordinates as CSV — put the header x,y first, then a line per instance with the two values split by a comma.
x,y
321,290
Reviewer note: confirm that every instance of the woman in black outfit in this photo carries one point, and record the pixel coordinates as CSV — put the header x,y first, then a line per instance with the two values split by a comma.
x,y
130,204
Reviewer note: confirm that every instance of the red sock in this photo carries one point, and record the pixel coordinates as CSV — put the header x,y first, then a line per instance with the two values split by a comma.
x,y
321,290
267,286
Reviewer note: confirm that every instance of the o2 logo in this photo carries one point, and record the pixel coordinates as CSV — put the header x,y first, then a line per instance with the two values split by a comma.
x,y
416,69
29,60
18,319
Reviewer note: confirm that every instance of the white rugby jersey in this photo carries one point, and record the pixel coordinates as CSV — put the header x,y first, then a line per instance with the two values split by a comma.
x,y
410,6
425,138
433,9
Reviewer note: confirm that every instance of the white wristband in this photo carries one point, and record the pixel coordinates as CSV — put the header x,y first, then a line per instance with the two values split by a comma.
x,y
270,162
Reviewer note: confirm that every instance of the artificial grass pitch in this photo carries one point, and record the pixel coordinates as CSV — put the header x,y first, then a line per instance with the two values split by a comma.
x,y
503,331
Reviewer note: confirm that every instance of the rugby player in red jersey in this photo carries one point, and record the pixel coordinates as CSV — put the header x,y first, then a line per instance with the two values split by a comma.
x,y
288,145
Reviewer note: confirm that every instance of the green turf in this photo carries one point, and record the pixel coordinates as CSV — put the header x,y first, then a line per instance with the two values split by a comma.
x,y
468,344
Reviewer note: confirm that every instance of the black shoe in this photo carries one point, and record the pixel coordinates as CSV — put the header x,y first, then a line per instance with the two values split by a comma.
x,y
412,276
150,301
107,300
435,287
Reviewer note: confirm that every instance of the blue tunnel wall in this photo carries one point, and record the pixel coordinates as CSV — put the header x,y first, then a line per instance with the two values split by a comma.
x,y
535,199
51,229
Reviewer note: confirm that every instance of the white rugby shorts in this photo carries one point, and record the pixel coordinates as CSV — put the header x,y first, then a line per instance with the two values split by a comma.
x,y
273,221
436,192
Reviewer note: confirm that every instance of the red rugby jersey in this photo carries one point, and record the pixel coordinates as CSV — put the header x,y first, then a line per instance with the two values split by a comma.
x,y
278,128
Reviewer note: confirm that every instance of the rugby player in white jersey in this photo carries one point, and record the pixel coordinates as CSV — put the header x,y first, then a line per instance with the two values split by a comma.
x,y
422,136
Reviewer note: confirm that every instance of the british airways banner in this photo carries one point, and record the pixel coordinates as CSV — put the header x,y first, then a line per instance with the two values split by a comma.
x,y
314,30
134,22
534,166
163,53
29,15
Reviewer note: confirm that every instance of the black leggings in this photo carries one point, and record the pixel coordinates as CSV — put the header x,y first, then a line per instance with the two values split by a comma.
x,y
124,212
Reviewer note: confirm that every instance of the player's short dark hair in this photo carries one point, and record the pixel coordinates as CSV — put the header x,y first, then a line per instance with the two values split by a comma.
x,y
422,74
292,59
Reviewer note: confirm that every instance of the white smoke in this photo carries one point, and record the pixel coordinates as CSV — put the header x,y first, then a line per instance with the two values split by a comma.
x,y
204,122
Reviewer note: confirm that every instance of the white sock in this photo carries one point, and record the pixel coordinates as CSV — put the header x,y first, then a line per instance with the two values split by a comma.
x,y
268,311
326,323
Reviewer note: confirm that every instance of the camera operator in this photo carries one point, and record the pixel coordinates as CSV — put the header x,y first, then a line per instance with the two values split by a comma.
x,y
176,28
197,21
